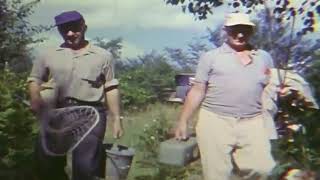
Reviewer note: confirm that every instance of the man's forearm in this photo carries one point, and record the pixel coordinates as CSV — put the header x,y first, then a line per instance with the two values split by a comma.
x,y
34,90
35,97
192,102
113,103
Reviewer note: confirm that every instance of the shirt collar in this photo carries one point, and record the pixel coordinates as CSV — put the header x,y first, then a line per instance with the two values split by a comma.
x,y
89,49
227,49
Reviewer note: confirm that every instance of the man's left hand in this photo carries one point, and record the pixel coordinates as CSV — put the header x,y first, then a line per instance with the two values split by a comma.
x,y
117,129
284,91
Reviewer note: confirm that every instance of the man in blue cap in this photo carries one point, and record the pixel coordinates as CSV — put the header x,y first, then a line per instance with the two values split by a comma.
x,y
83,74
71,26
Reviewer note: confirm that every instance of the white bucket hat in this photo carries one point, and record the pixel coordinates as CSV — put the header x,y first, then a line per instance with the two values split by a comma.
x,y
233,19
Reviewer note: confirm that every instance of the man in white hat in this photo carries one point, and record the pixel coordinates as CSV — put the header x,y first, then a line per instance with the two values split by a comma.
x,y
228,85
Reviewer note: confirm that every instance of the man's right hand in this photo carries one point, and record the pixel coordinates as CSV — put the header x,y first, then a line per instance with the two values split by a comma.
x,y
181,131
36,104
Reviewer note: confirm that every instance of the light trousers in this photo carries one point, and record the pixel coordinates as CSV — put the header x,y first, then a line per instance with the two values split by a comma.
x,y
230,145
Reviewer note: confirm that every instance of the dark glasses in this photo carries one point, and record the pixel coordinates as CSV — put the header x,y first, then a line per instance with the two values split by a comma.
x,y
243,29
71,26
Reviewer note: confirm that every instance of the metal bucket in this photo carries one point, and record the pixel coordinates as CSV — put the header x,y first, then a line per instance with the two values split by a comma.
x,y
118,161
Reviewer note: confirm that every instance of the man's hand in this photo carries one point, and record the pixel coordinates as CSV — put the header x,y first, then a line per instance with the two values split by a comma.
x,y
36,104
192,102
181,131
284,91
117,129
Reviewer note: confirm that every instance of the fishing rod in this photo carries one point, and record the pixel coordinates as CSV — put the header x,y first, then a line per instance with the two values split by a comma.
x,y
288,55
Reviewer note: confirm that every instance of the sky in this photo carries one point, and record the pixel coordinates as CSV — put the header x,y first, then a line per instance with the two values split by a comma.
x,y
144,25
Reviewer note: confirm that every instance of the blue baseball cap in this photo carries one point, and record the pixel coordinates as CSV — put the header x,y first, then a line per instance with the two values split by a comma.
x,y
66,17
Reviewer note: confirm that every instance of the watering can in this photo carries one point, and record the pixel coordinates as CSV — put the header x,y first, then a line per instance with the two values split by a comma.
x,y
178,153
118,161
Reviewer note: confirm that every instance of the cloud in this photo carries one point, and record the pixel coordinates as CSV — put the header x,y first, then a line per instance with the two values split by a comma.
x,y
143,24
130,50
53,39
147,14
50,39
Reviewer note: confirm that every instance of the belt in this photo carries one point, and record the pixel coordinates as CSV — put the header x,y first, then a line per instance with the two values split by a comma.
x,y
76,102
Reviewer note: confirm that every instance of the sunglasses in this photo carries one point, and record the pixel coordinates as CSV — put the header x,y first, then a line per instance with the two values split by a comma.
x,y
72,26
243,29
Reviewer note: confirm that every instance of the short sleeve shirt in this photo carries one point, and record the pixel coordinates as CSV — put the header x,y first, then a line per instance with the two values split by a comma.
x,y
233,89
82,74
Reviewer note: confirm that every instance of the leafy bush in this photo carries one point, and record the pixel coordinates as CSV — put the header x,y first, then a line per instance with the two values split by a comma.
x,y
16,33
300,149
16,129
142,80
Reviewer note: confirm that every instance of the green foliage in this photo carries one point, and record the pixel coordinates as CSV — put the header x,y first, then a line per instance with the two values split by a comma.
x,y
132,93
201,8
185,61
16,129
283,9
17,124
114,46
299,148
313,75
16,33
142,80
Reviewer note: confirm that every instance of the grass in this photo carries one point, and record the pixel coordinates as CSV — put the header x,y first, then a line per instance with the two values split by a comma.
x,y
134,122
